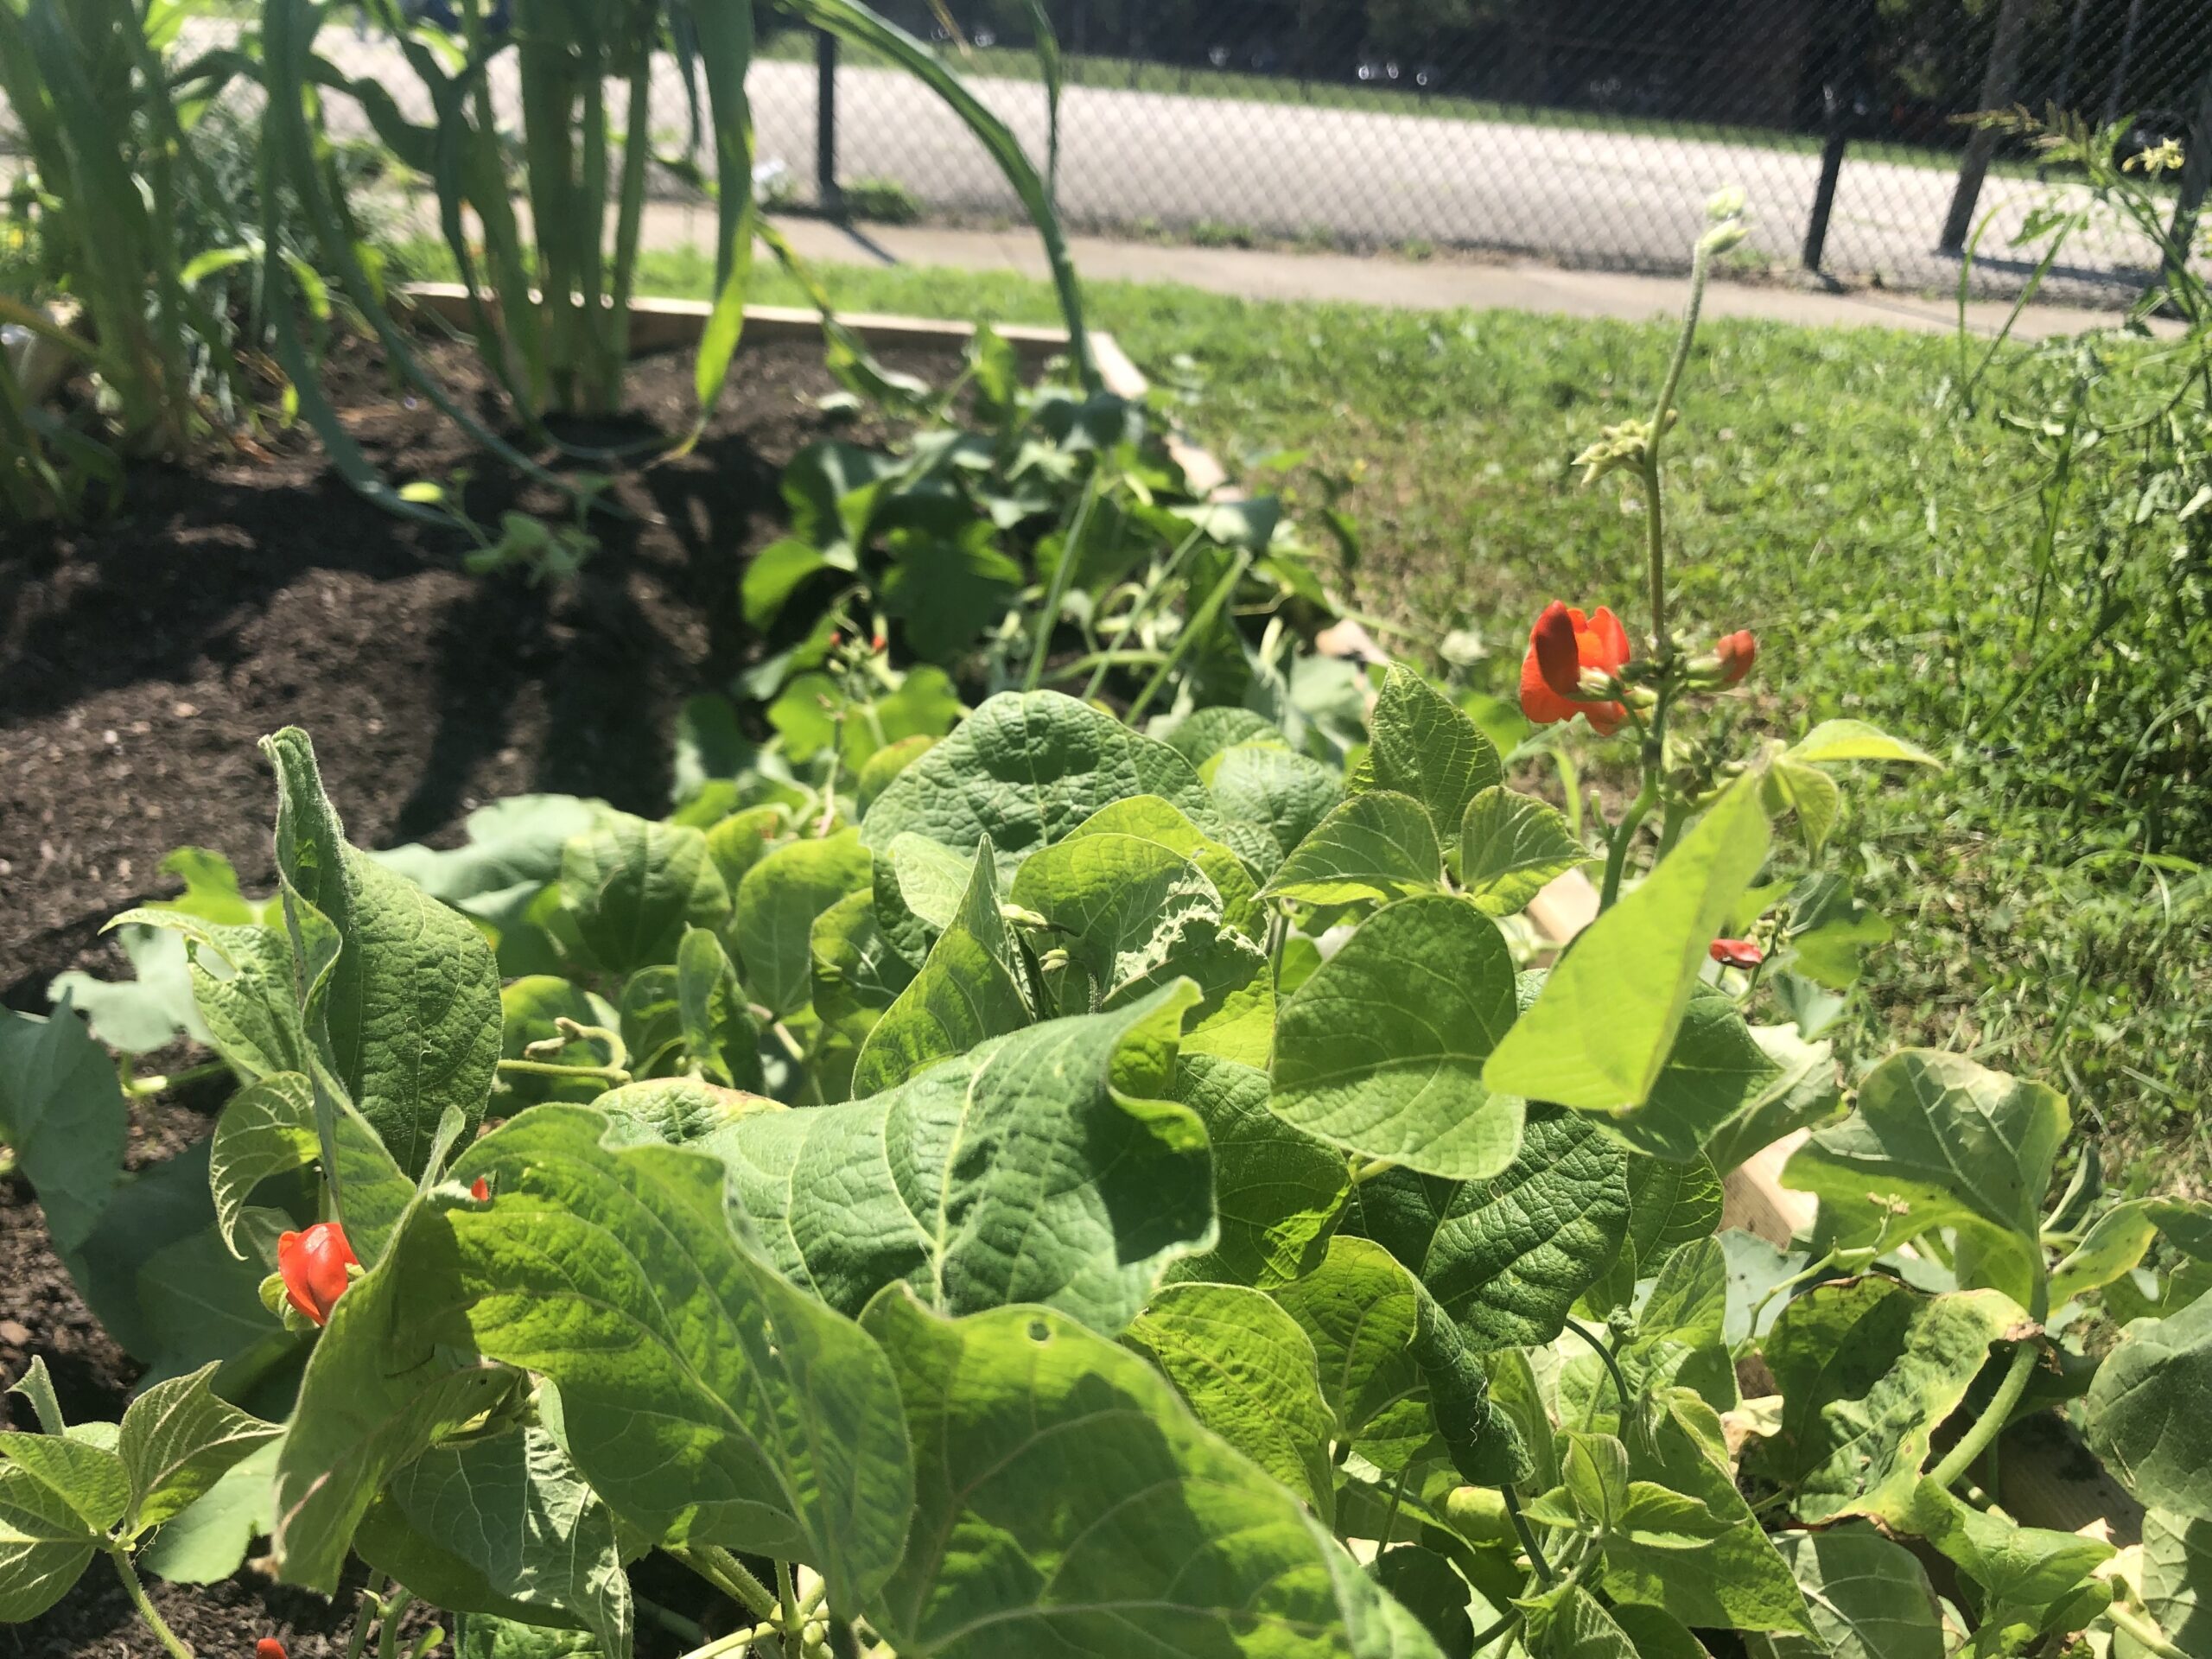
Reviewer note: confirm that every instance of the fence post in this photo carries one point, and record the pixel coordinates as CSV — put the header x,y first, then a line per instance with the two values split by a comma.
x,y
831,193
1996,93
1838,96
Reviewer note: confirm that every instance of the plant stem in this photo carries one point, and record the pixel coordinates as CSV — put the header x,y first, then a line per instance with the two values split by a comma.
x,y
140,1088
143,1603
1528,1537
1063,572
730,1576
2153,1640
787,1598
1193,628
613,1076
1390,1515
1159,579
1994,1416
1483,1638
1613,1365
1623,833
669,1620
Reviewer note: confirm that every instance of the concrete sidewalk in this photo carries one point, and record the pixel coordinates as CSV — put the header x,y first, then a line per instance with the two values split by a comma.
x,y
1436,285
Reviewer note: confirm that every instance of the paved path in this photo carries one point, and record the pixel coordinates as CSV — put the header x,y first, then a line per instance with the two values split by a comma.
x,y
1291,171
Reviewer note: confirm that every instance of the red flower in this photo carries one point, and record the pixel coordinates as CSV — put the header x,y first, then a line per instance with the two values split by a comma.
x,y
314,1264
1563,646
1737,652
1736,953
268,1647
481,1190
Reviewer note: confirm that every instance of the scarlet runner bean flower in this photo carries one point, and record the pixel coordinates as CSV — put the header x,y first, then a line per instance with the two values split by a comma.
x,y
1566,650
314,1265
479,1190
1737,652
1736,953
268,1647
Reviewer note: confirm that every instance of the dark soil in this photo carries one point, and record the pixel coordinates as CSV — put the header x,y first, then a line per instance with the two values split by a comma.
x,y
142,657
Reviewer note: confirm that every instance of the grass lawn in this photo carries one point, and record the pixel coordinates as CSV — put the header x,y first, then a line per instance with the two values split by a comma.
x,y
1826,490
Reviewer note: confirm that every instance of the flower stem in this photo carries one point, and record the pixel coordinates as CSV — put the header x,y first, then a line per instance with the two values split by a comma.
x,y
1994,1416
1613,1365
1623,833
730,1576
786,1593
2152,1639
144,1604
1528,1537
1056,594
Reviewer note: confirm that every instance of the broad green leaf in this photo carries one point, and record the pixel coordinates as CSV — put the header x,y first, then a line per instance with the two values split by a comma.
x,y
1854,740
1427,1585
1815,798
1287,795
409,1009
1203,733
1276,1191
1601,1033
1508,1257
651,1023
250,1007
1048,1167
268,1128
2029,1577
1715,1071
2119,1239
1023,771
512,844
1870,1599
178,1439
777,905
720,1033
857,974
44,1545
1594,1470
1733,1581
1681,1336
513,1507
1939,1141
1382,1052
1829,932
1070,1502
1359,1310
1569,1623
1868,1368
918,883
675,1112
1147,817
1377,845
209,1541
530,1011
1248,1372
1669,1205
1511,847
965,994
90,1479
1421,745
1123,908
1657,1633
1803,1093
62,1113
631,886
739,842
377,1393
947,591
885,763
2177,1578
2150,1411
148,1011
703,1397
201,1303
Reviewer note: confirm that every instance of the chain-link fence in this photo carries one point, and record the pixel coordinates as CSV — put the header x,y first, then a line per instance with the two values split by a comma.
x,y
1590,131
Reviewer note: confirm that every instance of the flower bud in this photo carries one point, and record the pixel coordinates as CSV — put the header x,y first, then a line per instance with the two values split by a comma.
x,y
481,1190
1736,953
1737,652
268,1647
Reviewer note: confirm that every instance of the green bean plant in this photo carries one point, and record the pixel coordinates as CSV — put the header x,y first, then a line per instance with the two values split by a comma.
x,y
550,300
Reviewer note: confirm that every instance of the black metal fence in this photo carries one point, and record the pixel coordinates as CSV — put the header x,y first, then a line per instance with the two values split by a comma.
x,y
1590,131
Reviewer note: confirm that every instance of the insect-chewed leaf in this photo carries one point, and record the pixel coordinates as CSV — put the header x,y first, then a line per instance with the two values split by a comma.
x,y
702,1396
408,1007
1381,1050
1023,771
777,905
2150,1411
1379,844
1511,847
1939,1141
1069,1501
177,1440
1049,1166
1599,1035
1867,1368
629,887
1248,1373
1147,817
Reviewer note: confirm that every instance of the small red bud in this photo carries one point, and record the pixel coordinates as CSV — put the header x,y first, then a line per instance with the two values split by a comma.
x,y
1737,953
1737,652
481,1190
268,1647
836,638
880,643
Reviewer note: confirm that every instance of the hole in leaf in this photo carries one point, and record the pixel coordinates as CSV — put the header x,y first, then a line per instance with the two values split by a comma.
x,y
1039,1332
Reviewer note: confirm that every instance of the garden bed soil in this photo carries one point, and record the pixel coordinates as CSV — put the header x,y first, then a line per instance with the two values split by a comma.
x,y
141,657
